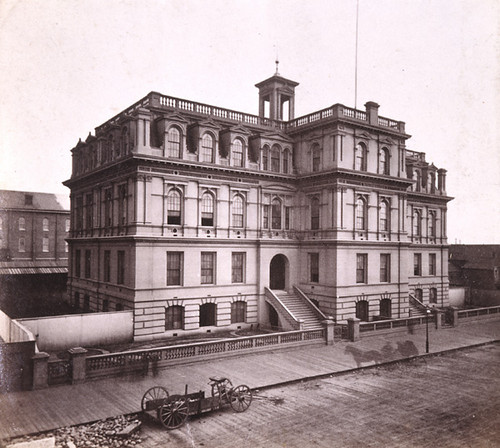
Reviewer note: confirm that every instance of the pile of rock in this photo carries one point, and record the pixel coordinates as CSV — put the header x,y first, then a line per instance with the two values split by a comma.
x,y
115,432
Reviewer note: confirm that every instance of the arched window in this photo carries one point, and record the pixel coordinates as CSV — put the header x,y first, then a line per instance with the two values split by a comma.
x,y
207,148
111,147
275,159
384,161
432,224
265,158
237,152
67,225
174,207
385,309
124,141
22,224
286,161
362,310
314,213
316,158
237,211
433,295
417,179
417,223
174,318
419,294
174,143
238,312
360,157
360,213
384,217
45,224
276,214
207,210
208,314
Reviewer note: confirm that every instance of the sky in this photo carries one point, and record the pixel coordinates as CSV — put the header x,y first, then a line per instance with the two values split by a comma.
x,y
67,66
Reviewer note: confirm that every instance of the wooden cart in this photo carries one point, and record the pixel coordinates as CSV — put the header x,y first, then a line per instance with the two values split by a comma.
x,y
173,410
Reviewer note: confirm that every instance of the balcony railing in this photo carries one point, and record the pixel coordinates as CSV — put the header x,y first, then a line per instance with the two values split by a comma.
x,y
158,100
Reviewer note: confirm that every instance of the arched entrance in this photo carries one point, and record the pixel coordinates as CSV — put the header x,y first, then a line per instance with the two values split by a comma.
x,y
277,272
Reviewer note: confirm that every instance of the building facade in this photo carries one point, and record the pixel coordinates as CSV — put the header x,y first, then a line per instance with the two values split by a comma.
x,y
33,250
186,213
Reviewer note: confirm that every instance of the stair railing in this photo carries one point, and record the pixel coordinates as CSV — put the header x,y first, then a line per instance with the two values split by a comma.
x,y
281,308
311,305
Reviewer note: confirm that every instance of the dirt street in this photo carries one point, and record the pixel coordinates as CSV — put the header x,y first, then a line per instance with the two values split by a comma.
x,y
444,401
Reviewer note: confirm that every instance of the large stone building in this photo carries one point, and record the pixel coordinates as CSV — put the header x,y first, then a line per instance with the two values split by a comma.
x,y
33,251
199,218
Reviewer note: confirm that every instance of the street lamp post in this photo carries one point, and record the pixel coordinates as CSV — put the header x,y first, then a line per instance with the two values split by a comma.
x,y
427,331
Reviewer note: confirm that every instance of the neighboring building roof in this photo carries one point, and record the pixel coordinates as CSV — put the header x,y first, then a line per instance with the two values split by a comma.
x,y
481,265
10,199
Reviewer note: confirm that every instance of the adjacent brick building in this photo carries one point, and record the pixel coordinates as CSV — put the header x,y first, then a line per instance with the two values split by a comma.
x,y
33,250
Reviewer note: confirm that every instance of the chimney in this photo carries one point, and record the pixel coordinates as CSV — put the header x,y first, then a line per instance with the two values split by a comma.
x,y
372,112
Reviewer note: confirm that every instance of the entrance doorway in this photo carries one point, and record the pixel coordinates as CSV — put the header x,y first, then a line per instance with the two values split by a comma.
x,y
277,272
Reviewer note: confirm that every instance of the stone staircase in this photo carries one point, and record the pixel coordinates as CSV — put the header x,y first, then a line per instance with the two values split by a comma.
x,y
300,309
416,311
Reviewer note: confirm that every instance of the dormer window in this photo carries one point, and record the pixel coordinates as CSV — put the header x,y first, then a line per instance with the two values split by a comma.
x,y
174,143
237,153
275,159
207,148
316,158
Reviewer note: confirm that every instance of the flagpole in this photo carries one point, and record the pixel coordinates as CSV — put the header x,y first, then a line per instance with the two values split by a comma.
x,y
356,60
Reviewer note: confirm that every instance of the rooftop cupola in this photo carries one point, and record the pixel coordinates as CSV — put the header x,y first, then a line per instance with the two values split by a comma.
x,y
277,97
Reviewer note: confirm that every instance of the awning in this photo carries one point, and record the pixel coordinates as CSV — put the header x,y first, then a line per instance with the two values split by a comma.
x,y
21,271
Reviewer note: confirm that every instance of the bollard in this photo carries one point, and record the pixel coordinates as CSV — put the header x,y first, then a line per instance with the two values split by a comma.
x,y
330,331
40,370
78,356
353,328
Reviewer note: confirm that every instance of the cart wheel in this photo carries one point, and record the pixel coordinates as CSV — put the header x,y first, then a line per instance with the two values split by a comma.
x,y
174,413
153,394
240,398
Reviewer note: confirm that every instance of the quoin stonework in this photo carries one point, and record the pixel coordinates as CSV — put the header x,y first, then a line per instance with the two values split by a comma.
x,y
200,218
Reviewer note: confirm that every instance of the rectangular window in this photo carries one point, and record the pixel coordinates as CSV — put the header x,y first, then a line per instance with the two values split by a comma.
x,y
122,206
287,217
79,213
120,267
432,264
87,263
238,267
417,264
265,217
314,268
174,268
207,268
88,211
78,258
45,244
108,208
361,268
107,266
385,267
22,244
